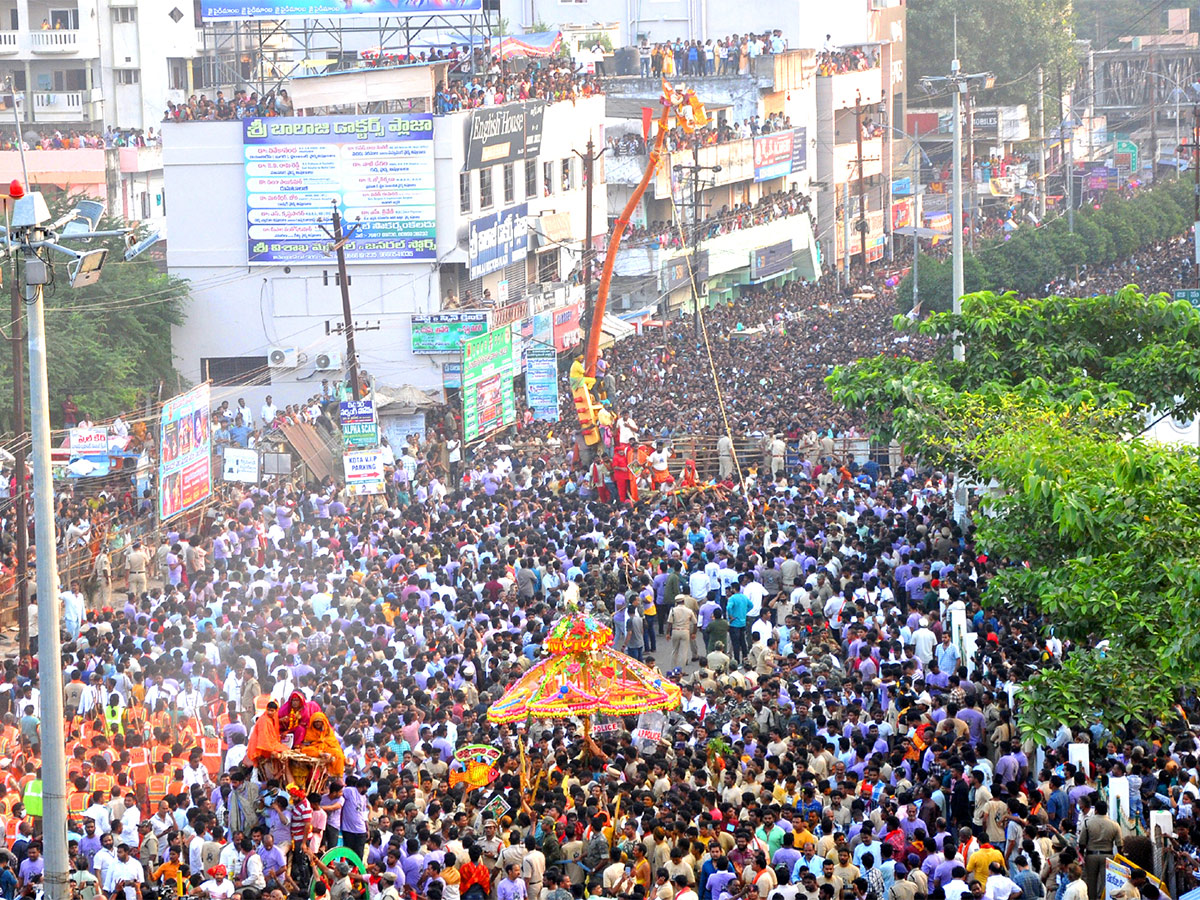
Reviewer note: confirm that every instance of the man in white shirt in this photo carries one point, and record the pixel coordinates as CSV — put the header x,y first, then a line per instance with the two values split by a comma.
x,y
98,813
268,412
957,887
124,875
104,858
999,886
194,773
924,641
195,849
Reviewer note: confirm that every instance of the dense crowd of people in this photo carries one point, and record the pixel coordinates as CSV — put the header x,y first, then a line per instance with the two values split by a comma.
x,y
551,80
88,140
244,104
731,55
839,60
722,132
848,723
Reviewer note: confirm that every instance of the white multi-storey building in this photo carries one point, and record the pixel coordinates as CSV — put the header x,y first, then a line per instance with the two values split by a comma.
x,y
95,63
510,213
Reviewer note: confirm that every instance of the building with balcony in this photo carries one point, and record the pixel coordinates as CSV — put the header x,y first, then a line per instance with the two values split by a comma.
x,y
734,174
853,163
506,193
88,64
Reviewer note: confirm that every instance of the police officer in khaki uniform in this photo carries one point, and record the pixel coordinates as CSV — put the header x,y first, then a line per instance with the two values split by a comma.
x,y
136,562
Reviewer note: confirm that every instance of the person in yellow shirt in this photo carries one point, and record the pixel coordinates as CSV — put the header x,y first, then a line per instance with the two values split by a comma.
x,y
977,864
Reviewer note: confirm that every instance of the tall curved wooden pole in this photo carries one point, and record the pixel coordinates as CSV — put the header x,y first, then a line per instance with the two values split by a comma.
x,y
614,244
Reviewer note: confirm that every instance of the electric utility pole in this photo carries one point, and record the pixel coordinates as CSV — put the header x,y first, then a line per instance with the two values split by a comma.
x,y
340,240
694,256
1041,126
958,85
20,495
861,226
589,254
1193,148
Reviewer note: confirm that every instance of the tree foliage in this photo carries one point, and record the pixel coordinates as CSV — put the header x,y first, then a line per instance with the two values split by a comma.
x,y
108,341
1118,358
1008,39
1031,257
1099,531
1109,529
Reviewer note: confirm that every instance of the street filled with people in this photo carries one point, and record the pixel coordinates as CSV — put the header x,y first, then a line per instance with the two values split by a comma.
x,y
285,694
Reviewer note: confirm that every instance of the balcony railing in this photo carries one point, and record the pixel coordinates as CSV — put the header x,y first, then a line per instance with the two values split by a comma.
x,y
9,43
59,40
58,102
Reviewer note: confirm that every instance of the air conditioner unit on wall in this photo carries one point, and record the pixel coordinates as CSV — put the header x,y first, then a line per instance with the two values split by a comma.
x,y
283,357
329,361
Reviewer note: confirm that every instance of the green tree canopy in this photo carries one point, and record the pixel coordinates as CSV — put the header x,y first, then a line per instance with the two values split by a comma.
x,y
1009,39
108,341
1097,531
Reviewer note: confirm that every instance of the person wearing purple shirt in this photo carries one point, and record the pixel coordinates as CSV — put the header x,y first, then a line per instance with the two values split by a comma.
x,y
974,720
718,882
412,863
1007,766
31,866
944,873
273,860
915,586
354,817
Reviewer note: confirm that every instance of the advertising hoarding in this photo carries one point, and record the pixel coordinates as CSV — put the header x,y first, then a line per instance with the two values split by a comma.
x,y
364,472
89,451
185,452
567,333
378,170
216,10
768,261
445,332
541,382
498,240
487,383
676,274
780,153
359,428
240,465
502,134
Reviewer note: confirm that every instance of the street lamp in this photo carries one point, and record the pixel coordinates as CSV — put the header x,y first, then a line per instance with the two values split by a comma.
x,y
695,168
959,84
32,236
1179,89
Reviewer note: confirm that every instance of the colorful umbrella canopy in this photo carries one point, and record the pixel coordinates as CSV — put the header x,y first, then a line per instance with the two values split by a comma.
x,y
583,676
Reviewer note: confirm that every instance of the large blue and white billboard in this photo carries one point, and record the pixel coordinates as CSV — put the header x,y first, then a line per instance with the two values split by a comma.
x,y
498,240
306,9
377,170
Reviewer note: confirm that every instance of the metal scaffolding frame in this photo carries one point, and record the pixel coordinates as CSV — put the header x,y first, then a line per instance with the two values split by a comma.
x,y
262,55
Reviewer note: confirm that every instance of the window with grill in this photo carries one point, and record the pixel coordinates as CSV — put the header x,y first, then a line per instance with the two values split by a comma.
x,y
485,188
510,183
234,371
530,178
464,192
